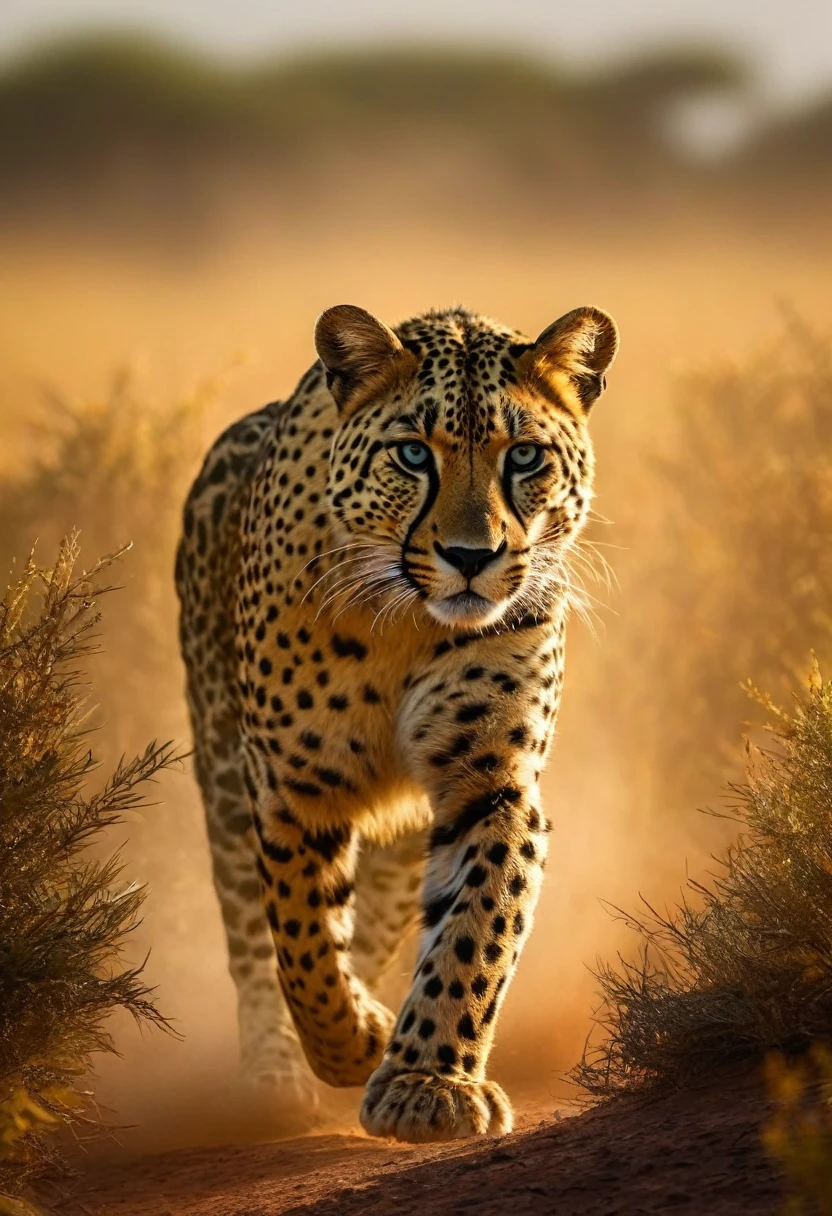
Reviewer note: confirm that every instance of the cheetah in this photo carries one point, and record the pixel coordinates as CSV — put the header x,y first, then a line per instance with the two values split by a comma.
x,y
374,584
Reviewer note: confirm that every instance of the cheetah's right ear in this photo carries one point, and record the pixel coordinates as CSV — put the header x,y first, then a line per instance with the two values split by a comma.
x,y
355,348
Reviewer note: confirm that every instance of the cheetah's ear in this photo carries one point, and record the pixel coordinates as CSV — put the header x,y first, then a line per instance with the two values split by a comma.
x,y
354,347
579,347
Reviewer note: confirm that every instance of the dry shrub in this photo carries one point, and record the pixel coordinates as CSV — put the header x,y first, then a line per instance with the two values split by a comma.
x,y
735,579
65,911
746,966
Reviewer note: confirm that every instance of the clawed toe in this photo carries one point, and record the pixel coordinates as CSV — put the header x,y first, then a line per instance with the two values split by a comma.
x,y
420,1107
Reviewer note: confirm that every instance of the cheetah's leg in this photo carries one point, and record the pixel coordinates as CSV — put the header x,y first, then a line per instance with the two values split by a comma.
x,y
270,1054
480,760
308,880
387,903
482,885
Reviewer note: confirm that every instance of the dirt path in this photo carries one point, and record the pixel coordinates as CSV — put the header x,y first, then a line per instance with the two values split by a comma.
x,y
689,1153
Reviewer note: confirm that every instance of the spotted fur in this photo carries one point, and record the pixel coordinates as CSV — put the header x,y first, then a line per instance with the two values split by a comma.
x,y
373,602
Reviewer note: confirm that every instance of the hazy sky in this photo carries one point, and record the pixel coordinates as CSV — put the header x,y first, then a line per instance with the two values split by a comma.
x,y
791,40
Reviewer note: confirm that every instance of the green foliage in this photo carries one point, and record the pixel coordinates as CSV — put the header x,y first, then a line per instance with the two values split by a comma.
x,y
65,906
745,966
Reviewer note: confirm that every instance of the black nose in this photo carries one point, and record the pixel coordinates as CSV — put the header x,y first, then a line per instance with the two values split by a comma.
x,y
469,562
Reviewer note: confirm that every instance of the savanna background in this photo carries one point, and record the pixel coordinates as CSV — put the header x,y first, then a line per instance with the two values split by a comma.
x,y
184,188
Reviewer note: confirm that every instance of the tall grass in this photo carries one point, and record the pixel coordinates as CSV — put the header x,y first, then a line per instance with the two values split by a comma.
x,y
66,908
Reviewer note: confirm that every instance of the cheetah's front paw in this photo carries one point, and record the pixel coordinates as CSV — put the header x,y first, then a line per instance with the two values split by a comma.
x,y
351,1063
420,1107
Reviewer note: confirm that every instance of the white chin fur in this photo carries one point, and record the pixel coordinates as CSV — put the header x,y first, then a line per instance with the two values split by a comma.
x,y
474,616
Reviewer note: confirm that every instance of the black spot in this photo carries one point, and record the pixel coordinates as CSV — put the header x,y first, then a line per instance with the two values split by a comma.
x,y
292,927
472,713
276,852
338,703
493,951
473,813
327,843
411,1055
340,895
517,884
408,1022
426,1028
307,962
436,909
480,985
469,1063
456,990
330,777
464,949
308,788
433,987
311,740
348,648
519,923
370,695
497,853
446,1054
475,877
527,849
305,700
465,1027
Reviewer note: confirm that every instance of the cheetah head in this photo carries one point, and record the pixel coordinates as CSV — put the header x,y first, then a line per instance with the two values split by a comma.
x,y
461,471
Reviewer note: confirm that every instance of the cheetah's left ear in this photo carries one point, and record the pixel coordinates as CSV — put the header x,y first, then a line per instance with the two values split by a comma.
x,y
580,346
354,347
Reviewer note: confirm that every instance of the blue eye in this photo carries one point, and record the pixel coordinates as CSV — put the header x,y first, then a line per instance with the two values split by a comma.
x,y
414,456
524,457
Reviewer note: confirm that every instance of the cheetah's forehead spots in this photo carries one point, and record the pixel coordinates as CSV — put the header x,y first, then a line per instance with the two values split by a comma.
x,y
462,390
